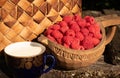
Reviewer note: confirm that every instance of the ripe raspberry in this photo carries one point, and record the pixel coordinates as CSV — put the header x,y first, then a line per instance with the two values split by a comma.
x,y
88,24
91,29
79,35
59,40
94,28
75,46
62,23
81,47
87,43
85,31
89,19
70,32
55,27
48,32
75,43
63,26
95,41
82,23
68,18
67,40
98,35
74,26
75,32
57,34
51,38
66,45
77,17
97,27
91,34
63,29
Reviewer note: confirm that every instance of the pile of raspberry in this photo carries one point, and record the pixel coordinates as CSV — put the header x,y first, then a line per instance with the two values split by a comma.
x,y
75,32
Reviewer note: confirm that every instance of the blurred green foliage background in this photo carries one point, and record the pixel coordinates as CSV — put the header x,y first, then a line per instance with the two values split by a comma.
x,y
100,4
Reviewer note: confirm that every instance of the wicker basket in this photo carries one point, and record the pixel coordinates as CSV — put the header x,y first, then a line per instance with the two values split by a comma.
x,y
74,59
22,20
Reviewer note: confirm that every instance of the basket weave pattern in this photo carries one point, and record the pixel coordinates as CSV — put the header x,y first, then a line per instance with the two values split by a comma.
x,y
22,20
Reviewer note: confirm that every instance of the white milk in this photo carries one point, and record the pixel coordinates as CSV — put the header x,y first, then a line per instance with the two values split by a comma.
x,y
24,49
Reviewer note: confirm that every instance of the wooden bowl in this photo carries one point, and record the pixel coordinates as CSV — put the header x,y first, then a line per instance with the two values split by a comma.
x,y
74,59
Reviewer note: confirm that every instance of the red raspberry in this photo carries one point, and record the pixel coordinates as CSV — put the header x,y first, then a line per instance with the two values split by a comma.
x,y
48,31
81,47
77,17
76,41
88,24
85,31
51,38
63,29
59,40
55,27
79,35
94,28
89,19
70,32
97,27
67,40
63,26
66,45
98,35
91,29
75,44
68,18
82,23
91,34
74,26
95,41
57,34
62,23
75,32
87,43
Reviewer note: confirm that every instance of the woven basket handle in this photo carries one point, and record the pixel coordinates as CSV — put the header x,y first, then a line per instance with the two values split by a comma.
x,y
110,21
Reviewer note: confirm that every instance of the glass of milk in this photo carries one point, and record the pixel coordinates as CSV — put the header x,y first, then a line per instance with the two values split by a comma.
x,y
27,59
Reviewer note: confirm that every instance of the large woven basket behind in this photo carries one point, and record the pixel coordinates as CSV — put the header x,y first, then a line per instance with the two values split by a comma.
x,y
22,20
